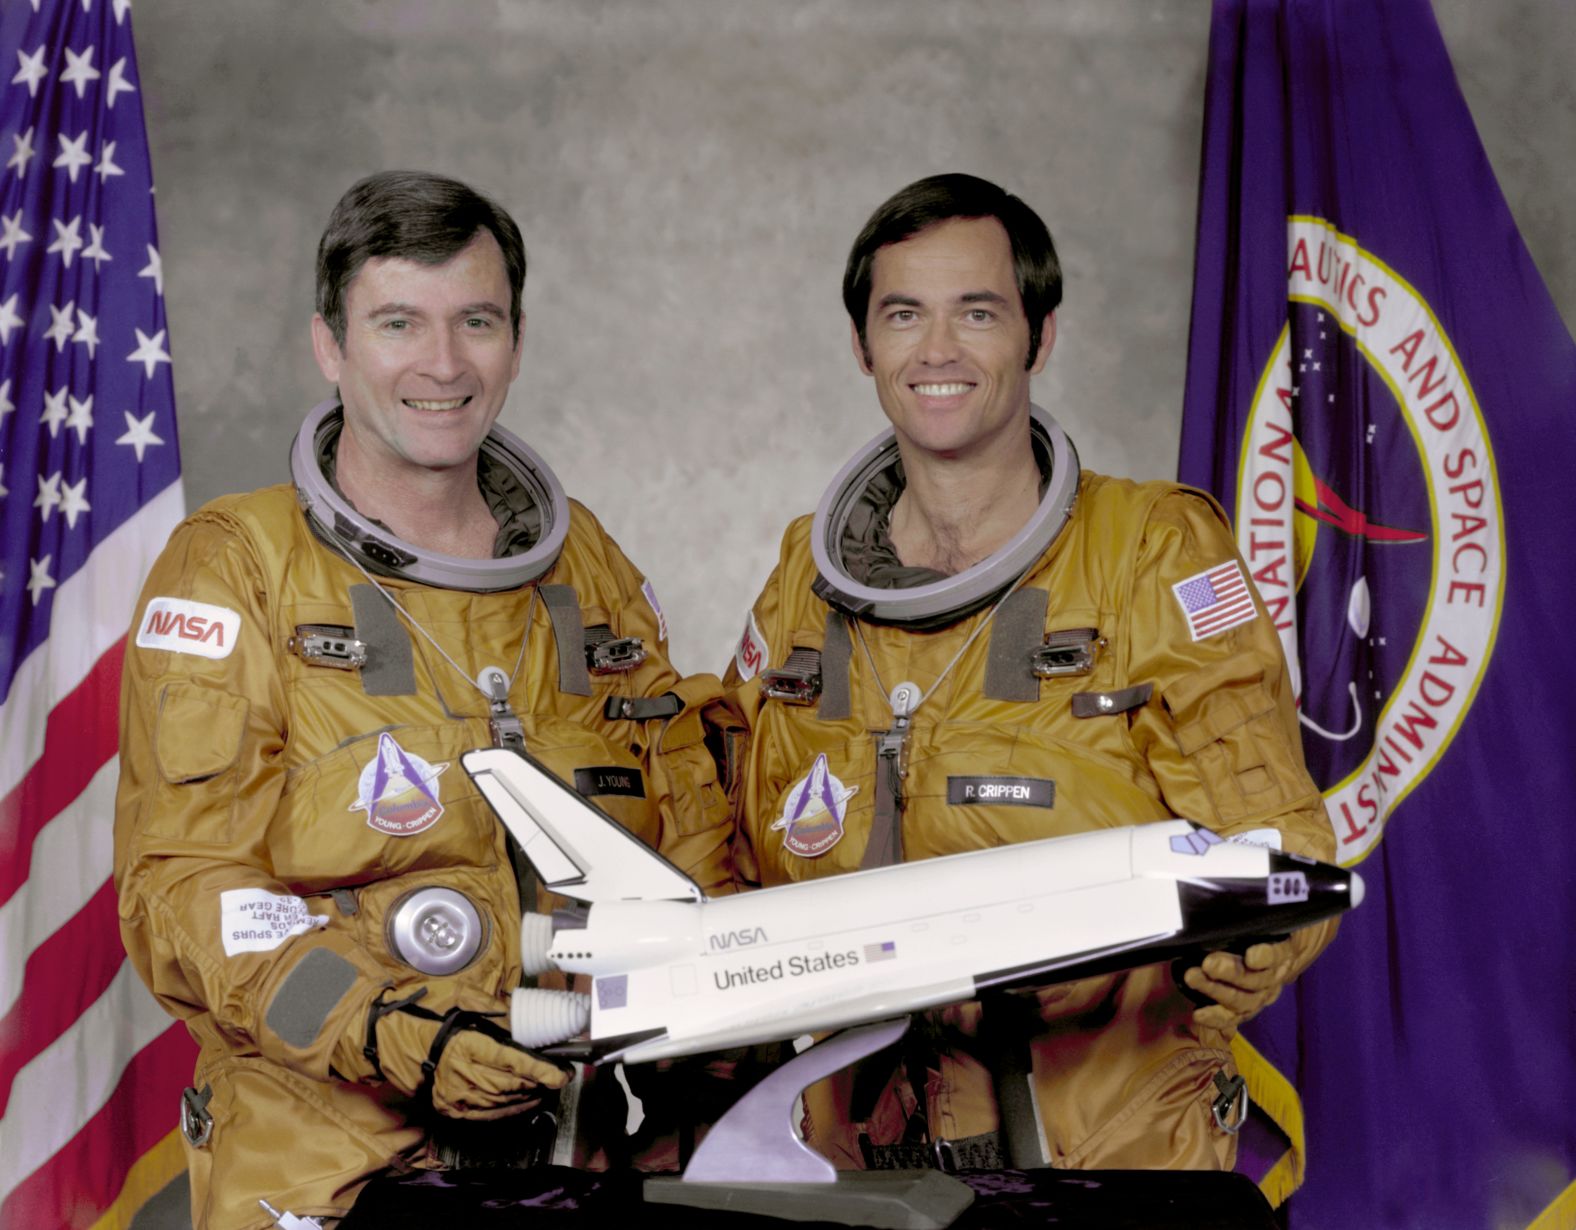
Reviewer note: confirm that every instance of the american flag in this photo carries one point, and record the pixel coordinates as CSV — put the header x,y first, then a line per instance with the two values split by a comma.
x,y
90,1067
1215,600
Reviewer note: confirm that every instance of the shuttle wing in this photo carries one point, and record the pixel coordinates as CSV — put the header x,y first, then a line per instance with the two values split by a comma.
x,y
577,848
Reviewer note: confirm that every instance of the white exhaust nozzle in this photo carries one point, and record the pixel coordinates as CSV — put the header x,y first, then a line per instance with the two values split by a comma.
x,y
536,937
543,1018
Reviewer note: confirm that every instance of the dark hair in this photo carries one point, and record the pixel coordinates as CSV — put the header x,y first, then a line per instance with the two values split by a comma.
x,y
940,198
416,216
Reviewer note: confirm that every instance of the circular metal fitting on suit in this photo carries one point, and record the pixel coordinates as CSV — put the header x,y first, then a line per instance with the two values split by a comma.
x,y
905,699
436,930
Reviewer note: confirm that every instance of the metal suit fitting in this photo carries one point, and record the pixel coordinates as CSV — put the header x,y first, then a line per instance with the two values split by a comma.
x,y
607,654
196,1122
436,930
797,681
1071,651
328,645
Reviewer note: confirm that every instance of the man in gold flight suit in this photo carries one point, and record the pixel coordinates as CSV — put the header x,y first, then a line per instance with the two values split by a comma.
x,y
973,643
307,877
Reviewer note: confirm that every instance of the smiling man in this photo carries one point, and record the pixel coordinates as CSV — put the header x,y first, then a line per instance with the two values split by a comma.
x,y
306,876
973,643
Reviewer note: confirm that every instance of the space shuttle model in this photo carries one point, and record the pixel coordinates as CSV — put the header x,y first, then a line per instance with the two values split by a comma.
x,y
677,973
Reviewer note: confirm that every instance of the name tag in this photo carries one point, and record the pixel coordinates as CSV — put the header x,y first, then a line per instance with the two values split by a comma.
x,y
1002,791
610,779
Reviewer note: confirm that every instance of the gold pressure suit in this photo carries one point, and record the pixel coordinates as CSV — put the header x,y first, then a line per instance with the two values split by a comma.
x,y
1160,724
274,812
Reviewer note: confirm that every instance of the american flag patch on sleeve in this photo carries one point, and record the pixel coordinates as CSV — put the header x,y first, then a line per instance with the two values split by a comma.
x,y
1215,600
656,609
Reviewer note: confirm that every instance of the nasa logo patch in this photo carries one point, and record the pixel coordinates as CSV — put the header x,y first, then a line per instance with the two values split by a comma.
x,y
750,659
813,812
183,626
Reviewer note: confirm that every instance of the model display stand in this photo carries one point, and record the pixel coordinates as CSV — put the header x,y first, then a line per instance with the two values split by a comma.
x,y
752,1160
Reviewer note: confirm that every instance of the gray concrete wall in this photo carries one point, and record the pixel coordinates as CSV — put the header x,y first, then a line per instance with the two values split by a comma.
x,y
688,175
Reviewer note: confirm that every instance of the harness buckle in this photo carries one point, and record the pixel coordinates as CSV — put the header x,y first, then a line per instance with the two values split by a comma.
x,y
507,731
1230,1107
607,654
797,681
1071,651
790,688
328,645
196,1122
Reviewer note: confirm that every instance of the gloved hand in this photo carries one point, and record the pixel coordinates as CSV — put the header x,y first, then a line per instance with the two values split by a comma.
x,y
1242,986
477,1077
476,1071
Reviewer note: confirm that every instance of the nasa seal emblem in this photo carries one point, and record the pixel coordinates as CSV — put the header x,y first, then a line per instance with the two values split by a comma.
x,y
1368,513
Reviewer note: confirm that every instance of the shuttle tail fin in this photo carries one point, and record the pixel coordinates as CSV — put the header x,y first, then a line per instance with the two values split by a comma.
x,y
577,848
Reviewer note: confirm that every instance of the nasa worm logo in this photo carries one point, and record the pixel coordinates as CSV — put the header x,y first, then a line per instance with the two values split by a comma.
x,y
1368,512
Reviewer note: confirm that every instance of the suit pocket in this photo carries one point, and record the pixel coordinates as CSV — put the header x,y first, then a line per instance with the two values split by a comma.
x,y
197,747
1231,737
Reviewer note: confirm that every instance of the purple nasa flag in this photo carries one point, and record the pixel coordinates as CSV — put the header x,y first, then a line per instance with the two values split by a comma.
x,y
1381,393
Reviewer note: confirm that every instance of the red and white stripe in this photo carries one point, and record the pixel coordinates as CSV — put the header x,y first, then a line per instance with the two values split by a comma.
x,y
90,1066
1233,603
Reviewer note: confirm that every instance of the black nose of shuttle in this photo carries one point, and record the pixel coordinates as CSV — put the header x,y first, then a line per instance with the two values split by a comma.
x,y
1295,892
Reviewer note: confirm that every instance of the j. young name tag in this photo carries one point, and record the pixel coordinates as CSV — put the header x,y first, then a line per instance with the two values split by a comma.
x,y
610,779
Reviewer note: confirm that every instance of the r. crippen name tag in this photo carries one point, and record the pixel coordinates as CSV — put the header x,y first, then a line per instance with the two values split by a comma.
x,y
610,779
1002,791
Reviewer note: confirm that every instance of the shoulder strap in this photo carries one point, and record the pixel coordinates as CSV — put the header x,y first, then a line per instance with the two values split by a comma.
x,y
1017,631
836,649
390,669
563,608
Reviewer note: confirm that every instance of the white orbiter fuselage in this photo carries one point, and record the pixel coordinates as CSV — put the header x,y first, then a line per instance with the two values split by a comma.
x,y
676,973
